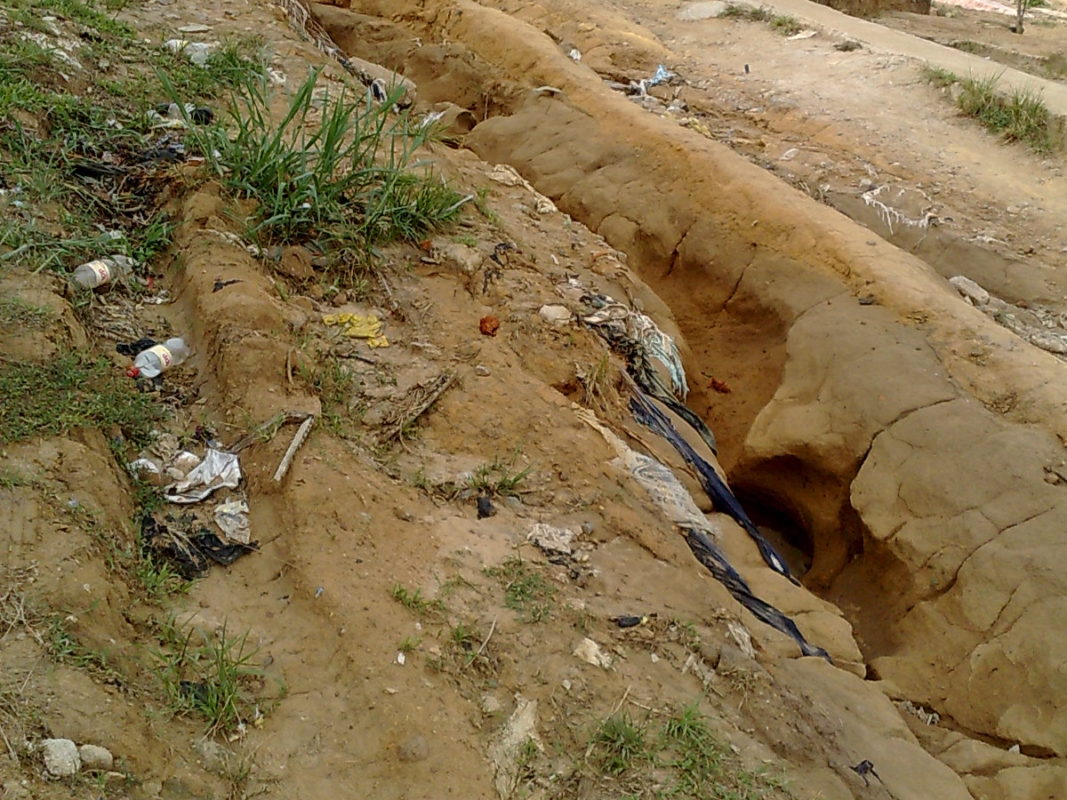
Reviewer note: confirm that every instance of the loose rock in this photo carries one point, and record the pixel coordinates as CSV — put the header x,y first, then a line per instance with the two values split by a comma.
x,y
414,749
95,757
61,758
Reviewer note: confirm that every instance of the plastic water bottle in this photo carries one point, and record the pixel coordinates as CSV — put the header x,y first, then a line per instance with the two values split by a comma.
x,y
151,362
103,270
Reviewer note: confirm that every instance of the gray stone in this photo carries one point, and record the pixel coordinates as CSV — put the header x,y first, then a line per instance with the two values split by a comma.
x,y
94,757
61,757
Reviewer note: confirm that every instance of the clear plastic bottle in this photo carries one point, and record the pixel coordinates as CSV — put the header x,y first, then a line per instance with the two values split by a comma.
x,y
151,362
103,270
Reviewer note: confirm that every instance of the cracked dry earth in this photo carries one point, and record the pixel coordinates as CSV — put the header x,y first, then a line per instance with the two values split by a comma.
x,y
902,449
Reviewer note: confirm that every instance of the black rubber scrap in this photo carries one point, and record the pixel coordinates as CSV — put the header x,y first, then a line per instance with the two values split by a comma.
x,y
485,506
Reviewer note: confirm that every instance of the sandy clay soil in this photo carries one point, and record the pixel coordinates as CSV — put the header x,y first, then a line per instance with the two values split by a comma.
x,y
407,630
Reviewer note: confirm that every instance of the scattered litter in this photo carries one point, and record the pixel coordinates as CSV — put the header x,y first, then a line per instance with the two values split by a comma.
x,y
482,371
140,465
742,638
100,271
927,717
699,534
298,439
575,54
194,28
500,253
551,539
890,215
789,154
220,284
232,238
661,75
629,622
157,358
805,34
216,471
232,519
489,325
197,52
401,659
556,315
319,592
358,326
506,174
510,752
865,768
485,507
190,548
591,653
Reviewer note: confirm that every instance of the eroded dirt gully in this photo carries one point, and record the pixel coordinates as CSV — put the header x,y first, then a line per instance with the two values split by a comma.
x,y
918,443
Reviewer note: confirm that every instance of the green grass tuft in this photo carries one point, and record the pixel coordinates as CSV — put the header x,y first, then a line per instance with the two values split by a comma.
x,y
67,393
1019,117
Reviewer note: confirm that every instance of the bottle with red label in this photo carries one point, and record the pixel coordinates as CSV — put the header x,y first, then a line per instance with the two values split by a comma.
x,y
103,270
154,360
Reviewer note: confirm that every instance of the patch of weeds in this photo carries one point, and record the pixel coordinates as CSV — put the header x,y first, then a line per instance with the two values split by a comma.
x,y
65,648
336,168
525,590
409,644
17,313
936,76
211,676
413,600
335,385
620,745
704,767
70,392
465,239
235,63
159,580
784,25
1021,117
12,478
498,477
149,241
481,202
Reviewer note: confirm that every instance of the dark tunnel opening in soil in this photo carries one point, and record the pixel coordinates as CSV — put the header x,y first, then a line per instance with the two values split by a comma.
x,y
783,528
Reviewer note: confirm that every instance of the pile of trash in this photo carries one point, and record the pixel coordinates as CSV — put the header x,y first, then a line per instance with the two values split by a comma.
x,y
203,533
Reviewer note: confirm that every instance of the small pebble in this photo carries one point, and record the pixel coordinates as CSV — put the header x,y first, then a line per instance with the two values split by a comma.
x,y
94,757
482,371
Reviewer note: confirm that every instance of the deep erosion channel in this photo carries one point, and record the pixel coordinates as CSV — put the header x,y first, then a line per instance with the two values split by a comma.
x,y
907,443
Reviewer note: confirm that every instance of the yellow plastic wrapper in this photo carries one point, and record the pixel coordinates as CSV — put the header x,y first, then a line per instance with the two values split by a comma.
x,y
357,326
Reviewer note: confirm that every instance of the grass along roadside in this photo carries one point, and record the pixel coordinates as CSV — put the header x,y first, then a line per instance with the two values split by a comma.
x,y
780,23
1019,116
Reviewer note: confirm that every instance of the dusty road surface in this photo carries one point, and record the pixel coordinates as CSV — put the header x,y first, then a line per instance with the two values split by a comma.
x,y
665,461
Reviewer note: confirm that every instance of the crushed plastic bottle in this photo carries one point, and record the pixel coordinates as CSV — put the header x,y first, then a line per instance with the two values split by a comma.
x,y
103,270
151,362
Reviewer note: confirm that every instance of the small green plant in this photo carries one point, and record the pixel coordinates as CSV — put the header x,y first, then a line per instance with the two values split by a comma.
x,y
210,677
1021,117
65,648
620,744
481,202
525,590
337,167
498,477
936,76
413,600
159,579
17,313
70,392
335,385
409,644
784,25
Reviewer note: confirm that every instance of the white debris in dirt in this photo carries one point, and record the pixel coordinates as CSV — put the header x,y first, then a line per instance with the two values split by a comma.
x,y
59,48
739,633
194,28
505,174
575,54
551,539
490,704
890,215
232,519
927,717
506,753
482,371
217,470
197,52
147,465
970,290
401,659
591,653
789,154
805,34
61,759
696,665
95,757
556,315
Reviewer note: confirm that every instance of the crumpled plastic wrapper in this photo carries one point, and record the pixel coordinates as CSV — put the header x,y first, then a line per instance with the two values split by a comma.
x,y
217,470
357,326
232,519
